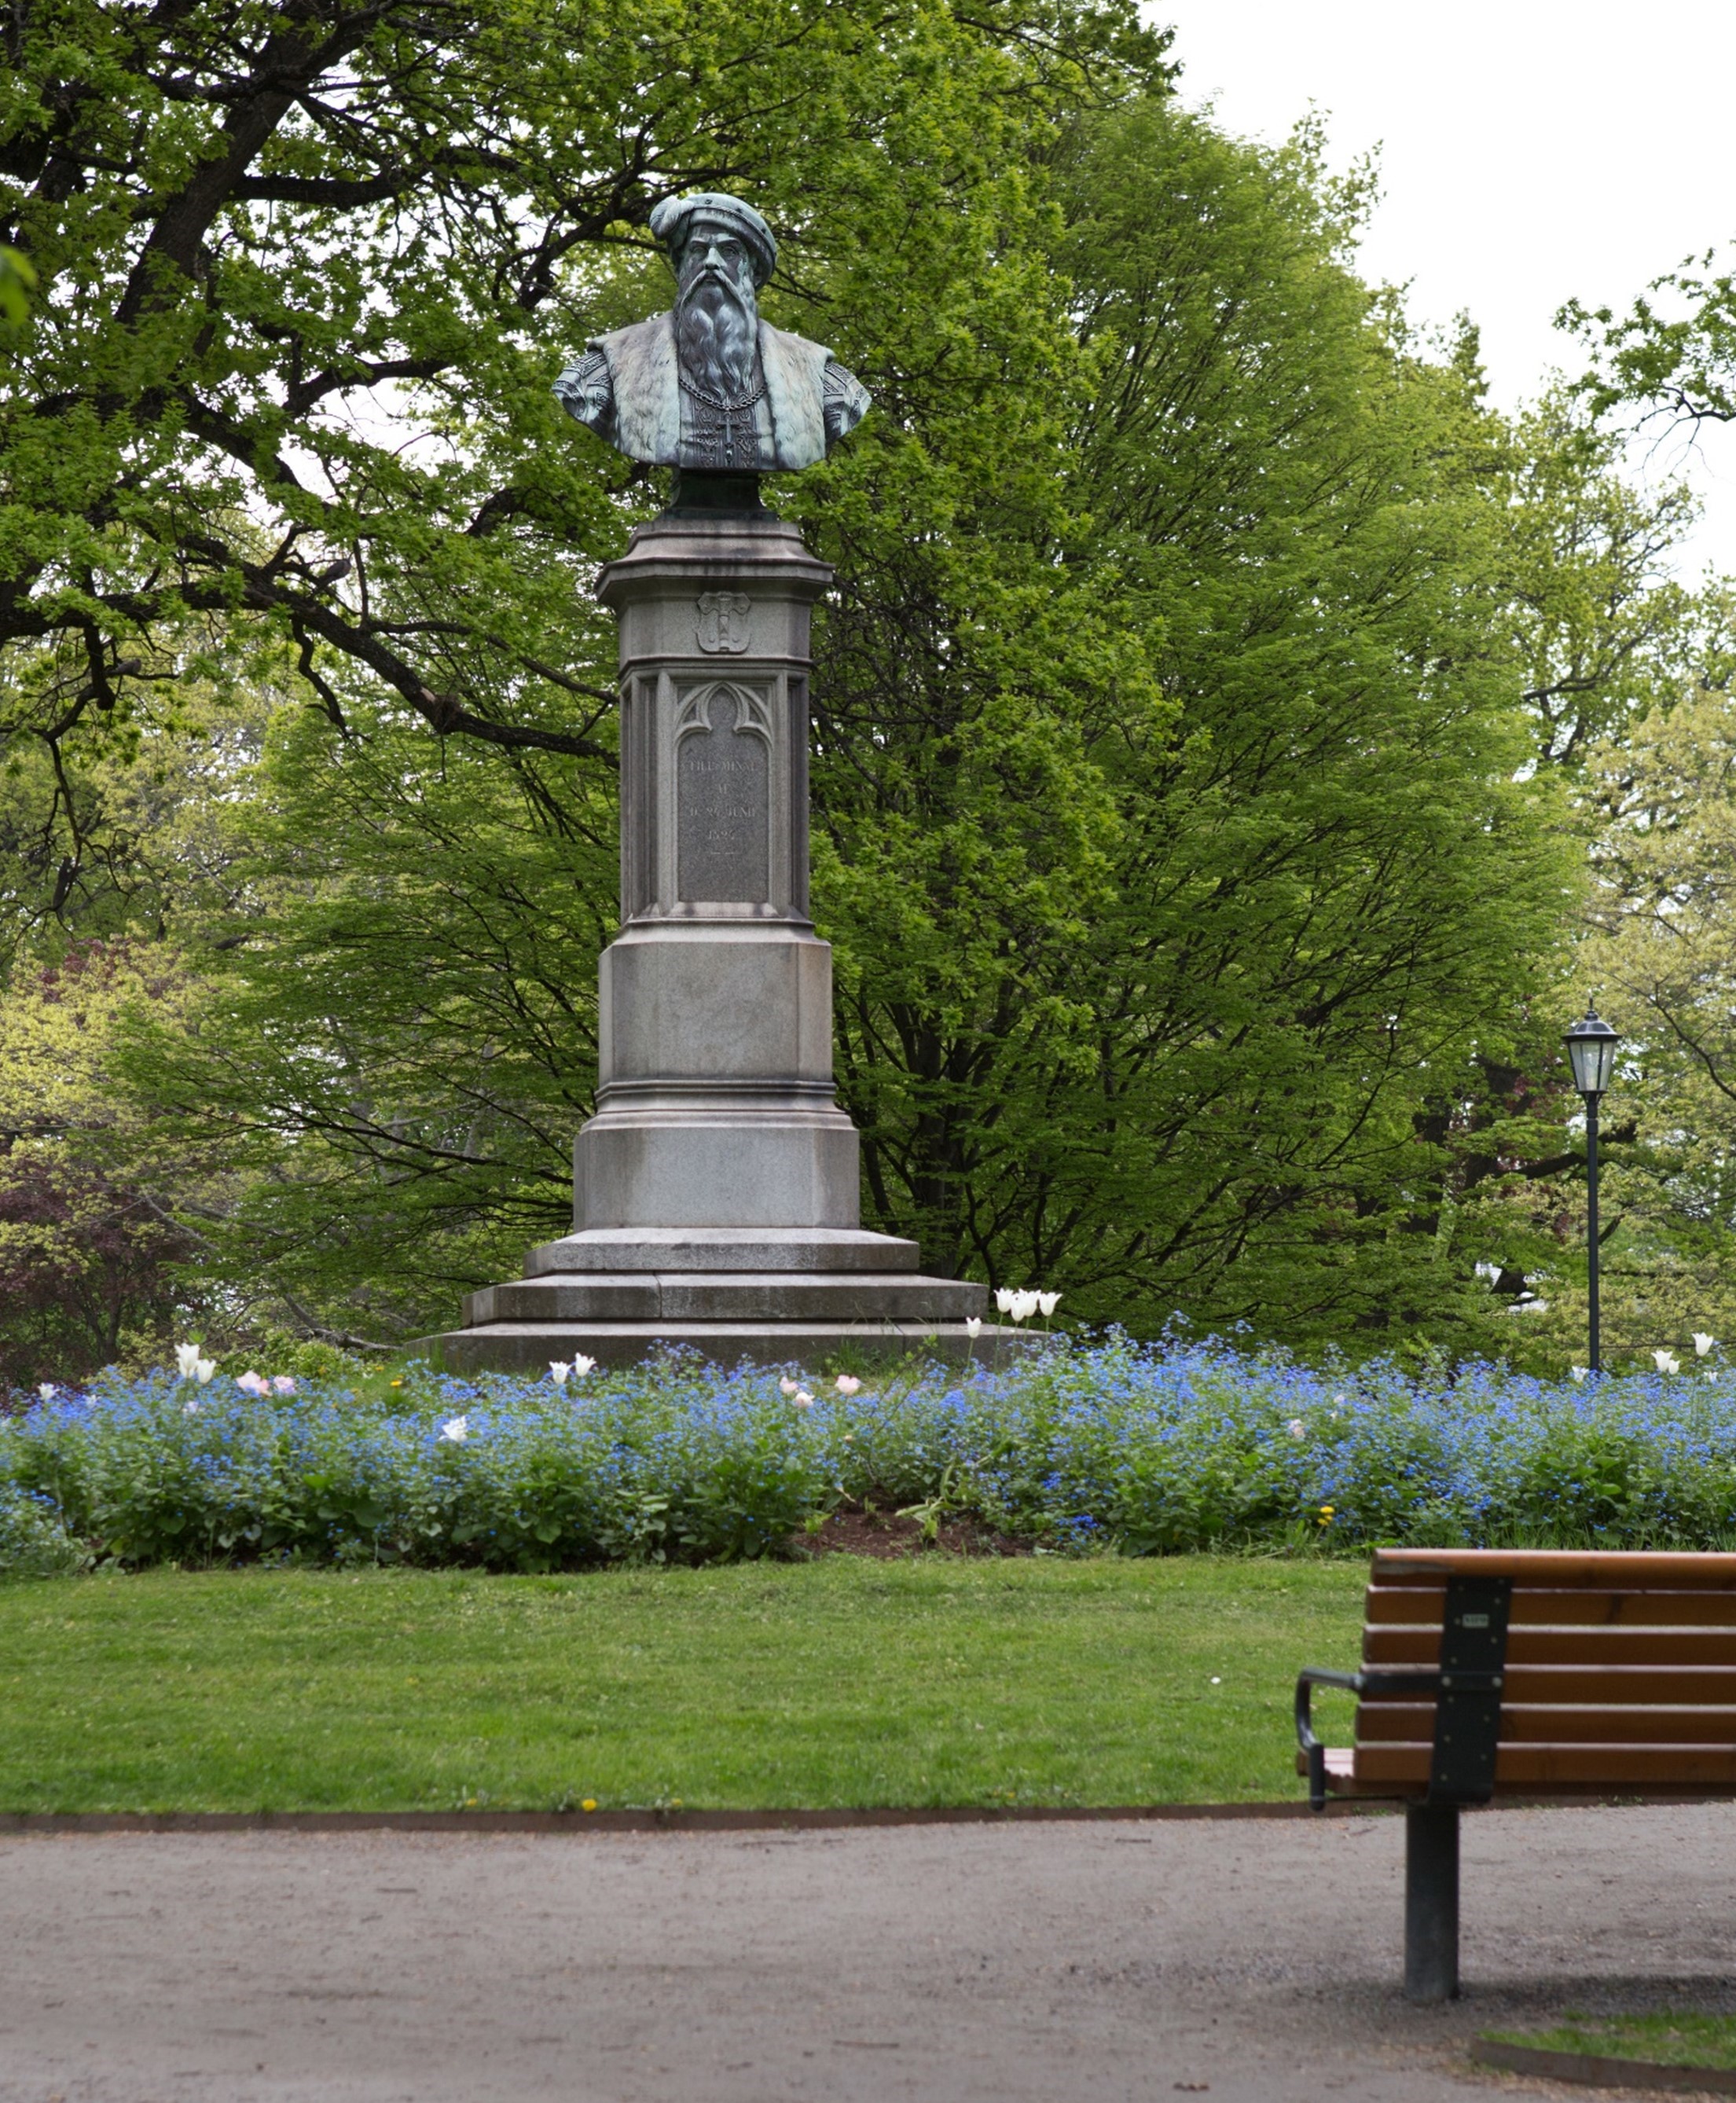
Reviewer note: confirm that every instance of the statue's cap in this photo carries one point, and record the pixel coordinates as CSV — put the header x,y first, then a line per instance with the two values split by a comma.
x,y
672,219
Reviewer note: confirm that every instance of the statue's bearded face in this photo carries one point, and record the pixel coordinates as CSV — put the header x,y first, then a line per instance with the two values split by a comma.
x,y
717,318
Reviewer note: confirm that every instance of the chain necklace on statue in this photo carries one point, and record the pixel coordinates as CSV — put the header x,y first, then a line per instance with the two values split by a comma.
x,y
723,429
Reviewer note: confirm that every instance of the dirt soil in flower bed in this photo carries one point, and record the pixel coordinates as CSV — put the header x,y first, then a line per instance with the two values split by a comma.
x,y
888,1535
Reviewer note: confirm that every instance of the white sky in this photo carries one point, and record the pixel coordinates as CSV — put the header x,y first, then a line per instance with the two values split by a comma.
x,y
1531,151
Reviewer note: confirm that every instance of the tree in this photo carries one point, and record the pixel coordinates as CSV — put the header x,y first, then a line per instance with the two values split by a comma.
x,y
1603,628
1672,355
94,1210
393,1037
1659,950
1609,638
1199,1086
307,268
1177,825
1167,721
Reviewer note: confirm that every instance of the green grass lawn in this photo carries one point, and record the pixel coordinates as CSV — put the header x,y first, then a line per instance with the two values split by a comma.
x,y
1666,2040
840,1681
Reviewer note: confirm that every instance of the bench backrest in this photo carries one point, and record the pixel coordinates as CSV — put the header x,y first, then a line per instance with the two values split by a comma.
x,y
1619,1668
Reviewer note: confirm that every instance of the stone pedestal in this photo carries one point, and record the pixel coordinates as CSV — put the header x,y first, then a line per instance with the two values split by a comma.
x,y
716,1196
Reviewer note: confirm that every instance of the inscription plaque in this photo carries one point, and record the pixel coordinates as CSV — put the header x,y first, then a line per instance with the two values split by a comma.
x,y
723,803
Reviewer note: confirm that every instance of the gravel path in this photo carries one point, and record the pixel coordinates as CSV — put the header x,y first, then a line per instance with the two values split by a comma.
x,y
1254,1962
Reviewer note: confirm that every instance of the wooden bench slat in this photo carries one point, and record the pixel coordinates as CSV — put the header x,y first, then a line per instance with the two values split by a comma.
x,y
1618,1570
1557,1607
1342,1781
1413,1722
1674,1767
1568,1646
1684,1685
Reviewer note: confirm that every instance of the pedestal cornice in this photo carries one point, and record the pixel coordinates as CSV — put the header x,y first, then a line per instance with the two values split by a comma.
x,y
677,551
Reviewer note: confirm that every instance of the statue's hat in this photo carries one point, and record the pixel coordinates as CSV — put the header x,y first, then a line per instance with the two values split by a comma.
x,y
671,219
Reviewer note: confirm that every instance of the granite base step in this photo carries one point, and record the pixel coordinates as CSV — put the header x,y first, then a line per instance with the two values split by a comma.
x,y
776,1296
851,1296
530,1347
589,1250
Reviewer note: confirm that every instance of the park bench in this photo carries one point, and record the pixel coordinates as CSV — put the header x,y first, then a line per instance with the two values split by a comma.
x,y
1543,1675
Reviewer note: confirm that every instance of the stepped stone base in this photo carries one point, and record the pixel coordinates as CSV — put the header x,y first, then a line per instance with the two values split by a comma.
x,y
772,1294
525,1347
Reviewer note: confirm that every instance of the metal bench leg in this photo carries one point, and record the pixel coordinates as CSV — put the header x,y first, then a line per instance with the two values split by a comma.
x,y
1432,1901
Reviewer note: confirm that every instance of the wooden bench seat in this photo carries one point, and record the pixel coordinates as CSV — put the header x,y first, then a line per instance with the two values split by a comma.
x,y
1548,1674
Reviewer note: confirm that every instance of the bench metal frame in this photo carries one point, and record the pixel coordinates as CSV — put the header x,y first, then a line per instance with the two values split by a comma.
x,y
1466,1688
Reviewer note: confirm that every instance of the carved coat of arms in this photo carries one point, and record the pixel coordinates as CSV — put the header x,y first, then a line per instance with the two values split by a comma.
x,y
722,623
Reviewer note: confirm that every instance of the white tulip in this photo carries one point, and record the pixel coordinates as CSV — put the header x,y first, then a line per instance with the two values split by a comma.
x,y
1666,1362
48,1390
203,1369
1578,1372
456,1429
1004,1296
186,1358
1702,1342
973,1325
1048,1302
558,1373
581,1365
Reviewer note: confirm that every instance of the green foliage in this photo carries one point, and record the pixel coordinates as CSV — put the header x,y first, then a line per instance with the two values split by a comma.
x,y
1663,798
97,1198
1194,628
34,1541
212,495
1157,1452
269,237
1673,355
17,281
1324,886
1603,631
401,1040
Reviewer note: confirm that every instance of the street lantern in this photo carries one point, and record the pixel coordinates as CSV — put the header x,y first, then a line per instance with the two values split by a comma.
x,y
1591,1050
1590,1047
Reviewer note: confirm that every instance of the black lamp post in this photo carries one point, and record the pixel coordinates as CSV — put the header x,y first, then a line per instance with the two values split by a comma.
x,y
1590,1047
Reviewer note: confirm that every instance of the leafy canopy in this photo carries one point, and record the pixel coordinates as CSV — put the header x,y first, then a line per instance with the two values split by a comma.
x,y
307,268
1188,708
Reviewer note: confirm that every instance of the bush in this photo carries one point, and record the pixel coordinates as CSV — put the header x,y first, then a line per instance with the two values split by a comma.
x,y
33,1542
1146,1449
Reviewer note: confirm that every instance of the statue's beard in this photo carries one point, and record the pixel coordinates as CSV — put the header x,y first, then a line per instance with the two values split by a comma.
x,y
717,333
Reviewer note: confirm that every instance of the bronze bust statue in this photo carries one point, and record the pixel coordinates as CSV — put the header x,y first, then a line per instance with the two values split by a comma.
x,y
710,386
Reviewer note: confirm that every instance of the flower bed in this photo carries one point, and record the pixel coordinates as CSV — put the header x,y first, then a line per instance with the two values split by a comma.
x,y
1145,1450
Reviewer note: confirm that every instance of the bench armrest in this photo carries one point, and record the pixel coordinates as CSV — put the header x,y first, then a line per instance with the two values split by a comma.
x,y
1358,1683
